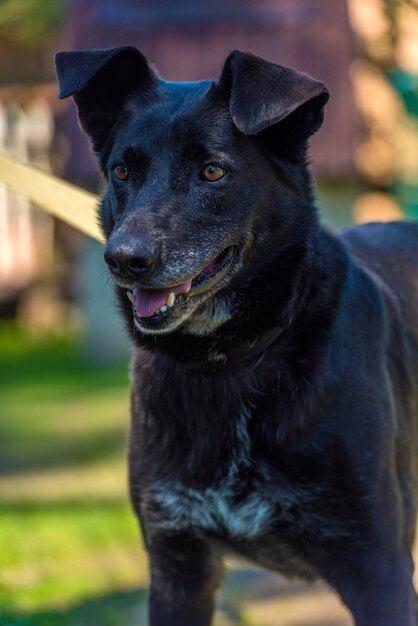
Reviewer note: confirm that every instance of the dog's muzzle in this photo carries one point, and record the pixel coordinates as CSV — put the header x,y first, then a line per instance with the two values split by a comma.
x,y
161,310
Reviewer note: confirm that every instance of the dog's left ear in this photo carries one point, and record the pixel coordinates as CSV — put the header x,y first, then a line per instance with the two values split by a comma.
x,y
263,94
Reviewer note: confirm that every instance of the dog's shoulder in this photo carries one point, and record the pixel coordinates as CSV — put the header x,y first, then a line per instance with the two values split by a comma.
x,y
389,251
383,238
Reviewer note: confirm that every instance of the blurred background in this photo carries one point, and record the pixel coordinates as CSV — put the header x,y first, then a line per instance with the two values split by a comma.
x,y
70,551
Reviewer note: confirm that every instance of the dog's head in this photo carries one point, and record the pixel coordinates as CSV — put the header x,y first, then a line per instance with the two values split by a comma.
x,y
203,180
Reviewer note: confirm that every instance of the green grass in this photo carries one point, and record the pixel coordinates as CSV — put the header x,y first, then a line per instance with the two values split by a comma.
x,y
67,534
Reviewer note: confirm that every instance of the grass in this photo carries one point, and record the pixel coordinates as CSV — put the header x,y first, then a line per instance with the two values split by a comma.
x,y
67,533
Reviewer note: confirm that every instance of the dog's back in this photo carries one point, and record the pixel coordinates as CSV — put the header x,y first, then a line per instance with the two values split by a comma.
x,y
390,251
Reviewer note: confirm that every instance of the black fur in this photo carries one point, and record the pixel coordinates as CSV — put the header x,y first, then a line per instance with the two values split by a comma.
x,y
276,417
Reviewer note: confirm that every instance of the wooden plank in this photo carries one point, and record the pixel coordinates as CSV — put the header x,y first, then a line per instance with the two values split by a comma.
x,y
57,197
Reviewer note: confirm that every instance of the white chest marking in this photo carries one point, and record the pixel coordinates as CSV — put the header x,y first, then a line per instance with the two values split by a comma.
x,y
214,509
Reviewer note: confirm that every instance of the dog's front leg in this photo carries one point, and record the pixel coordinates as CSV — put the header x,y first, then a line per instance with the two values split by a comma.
x,y
185,574
384,595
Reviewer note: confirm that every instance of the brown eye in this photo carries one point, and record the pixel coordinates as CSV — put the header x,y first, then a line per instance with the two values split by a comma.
x,y
120,172
212,173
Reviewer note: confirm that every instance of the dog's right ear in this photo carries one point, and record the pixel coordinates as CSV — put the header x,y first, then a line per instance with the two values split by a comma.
x,y
101,81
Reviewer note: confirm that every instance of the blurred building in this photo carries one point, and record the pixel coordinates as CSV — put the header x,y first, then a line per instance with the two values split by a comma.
x,y
190,39
29,109
26,133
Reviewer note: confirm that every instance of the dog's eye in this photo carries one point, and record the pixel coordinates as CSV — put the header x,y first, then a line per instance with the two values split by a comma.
x,y
120,172
212,173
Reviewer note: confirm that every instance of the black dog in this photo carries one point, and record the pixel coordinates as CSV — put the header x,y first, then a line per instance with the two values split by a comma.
x,y
274,403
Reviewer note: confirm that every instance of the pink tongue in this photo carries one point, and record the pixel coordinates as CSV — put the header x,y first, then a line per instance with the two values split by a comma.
x,y
147,301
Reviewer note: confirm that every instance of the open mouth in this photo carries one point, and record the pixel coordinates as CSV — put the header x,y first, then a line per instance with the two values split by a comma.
x,y
156,307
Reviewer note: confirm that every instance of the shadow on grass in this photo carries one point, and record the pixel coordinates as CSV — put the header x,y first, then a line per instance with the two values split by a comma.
x,y
57,409
127,608
70,506
58,362
44,452
62,373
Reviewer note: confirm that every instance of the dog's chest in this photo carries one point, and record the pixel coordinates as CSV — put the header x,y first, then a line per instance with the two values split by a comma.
x,y
244,513
222,509
235,504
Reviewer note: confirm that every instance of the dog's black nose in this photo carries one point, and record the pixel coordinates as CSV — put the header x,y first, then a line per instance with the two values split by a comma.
x,y
127,259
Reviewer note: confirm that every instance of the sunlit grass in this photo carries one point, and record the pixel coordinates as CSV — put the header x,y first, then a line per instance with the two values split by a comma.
x,y
57,555
67,533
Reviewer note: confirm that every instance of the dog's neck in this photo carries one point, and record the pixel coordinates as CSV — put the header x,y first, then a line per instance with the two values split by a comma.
x,y
291,294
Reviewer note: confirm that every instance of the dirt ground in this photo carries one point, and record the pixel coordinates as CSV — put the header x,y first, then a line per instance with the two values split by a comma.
x,y
257,598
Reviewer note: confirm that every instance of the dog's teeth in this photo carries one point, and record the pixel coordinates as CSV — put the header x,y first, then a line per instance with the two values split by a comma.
x,y
163,309
130,296
170,299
